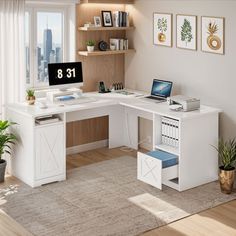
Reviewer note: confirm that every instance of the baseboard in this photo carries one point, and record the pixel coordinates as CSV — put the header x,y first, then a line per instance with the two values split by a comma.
x,y
86,147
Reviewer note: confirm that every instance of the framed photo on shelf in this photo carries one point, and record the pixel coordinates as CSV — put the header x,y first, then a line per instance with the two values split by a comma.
x,y
97,21
213,34
107,19
186,32
162,29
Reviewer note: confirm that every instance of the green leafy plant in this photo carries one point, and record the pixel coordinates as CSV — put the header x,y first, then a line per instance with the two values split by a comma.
x,y
186,32
162,24
227,153
6,138
90,43
30,92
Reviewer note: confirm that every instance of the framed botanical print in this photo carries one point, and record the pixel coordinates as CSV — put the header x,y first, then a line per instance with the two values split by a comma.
x,y
213,34
186,32
162,29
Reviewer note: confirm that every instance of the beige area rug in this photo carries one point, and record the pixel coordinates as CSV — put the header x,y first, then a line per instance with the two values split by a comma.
x,y
104,199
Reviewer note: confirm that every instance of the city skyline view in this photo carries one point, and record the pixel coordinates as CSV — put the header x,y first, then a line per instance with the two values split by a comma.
x,y
49,20
49,43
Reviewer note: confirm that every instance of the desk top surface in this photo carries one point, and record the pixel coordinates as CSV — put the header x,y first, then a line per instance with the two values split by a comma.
x,y
134,101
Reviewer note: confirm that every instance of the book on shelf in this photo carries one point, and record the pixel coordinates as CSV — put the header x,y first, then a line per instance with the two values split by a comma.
x,y
121,19
46,120
127,19
116,19
170,132
126,44
120,44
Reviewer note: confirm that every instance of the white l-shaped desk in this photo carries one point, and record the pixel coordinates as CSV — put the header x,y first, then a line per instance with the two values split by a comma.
x,y
40,156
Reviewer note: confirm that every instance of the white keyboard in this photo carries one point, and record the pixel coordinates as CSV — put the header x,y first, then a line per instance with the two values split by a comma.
x,y
80,100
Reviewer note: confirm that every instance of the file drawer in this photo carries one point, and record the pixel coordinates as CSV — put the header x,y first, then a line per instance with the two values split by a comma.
x,y
153,169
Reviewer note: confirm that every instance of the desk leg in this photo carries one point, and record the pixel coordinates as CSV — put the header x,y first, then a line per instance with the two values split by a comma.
x,y
116,126
131,128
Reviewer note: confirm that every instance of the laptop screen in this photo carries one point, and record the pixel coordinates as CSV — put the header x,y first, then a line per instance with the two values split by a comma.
x,y
161,88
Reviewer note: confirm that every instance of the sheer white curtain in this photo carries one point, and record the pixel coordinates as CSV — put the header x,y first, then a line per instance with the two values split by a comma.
x,y
12,52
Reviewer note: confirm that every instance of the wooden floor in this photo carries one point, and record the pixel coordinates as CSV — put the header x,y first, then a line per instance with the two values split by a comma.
x,y
220,220
90,157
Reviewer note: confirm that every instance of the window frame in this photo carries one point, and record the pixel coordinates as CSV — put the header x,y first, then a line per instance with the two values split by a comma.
x,y
33,9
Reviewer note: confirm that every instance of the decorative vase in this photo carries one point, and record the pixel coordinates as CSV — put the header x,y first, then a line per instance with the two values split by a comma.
x,y
161,37
112,47
3,165
226,178
90,48
30,100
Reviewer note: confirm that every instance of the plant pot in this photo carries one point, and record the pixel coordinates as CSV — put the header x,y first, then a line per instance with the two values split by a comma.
x,y
90,48
30,100
3,165
161,37
226,178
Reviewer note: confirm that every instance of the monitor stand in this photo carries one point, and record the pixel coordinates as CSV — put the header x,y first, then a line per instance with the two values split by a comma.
x,y
53,95
69,89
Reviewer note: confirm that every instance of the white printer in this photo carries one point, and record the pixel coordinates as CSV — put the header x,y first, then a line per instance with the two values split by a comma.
x,y
183,103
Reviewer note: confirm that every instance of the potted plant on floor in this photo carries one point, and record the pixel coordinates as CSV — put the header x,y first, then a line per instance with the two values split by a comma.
x,y
227,155
30,97
90,45
6,140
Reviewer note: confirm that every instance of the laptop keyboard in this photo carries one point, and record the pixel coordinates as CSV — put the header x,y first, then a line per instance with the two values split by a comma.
x,y
156,98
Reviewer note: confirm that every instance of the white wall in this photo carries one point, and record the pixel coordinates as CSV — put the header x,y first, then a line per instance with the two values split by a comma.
x,y
210,77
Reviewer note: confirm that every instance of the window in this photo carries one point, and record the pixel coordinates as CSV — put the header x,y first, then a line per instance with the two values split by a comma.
x,y
27,47
49,42
45,41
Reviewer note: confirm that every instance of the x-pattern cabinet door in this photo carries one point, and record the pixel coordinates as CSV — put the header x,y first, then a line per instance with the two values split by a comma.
x,y
150,170
50,151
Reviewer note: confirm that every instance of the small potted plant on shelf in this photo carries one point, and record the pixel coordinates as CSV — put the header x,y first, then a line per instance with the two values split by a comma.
x,y
227,155
30,96
6,140
90,45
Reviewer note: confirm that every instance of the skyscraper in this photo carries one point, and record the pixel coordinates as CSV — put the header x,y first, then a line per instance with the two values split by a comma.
x,y
58,54
39,56
27,63
27,59
47,44
52,57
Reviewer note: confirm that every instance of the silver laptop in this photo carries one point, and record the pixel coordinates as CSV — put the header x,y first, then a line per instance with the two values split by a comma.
x,y
161,90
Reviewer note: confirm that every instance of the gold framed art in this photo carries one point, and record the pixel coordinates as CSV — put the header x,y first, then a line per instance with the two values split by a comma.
x,y
162,29
213,34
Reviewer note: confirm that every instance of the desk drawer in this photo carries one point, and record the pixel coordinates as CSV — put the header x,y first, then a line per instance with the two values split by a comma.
x,y
154,171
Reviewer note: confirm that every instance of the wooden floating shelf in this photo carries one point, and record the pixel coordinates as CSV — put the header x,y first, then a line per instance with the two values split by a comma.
x,y
108,1
104,53
105,28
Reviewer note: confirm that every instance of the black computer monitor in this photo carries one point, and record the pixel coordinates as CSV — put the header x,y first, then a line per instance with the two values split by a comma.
x,y
65,75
